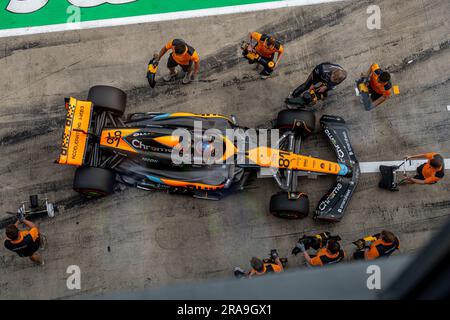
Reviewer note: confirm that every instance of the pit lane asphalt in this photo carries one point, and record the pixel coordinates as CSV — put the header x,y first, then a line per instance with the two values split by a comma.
x,y
137,239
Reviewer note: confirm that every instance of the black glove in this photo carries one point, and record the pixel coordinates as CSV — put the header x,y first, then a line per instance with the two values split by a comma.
x,y
274,254
21,214
300,247
367,244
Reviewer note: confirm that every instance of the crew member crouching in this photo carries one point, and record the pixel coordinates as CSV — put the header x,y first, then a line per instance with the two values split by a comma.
x,y
382,244
262,49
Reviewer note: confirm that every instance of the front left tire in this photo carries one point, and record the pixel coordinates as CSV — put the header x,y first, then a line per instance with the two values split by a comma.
x,y
283,207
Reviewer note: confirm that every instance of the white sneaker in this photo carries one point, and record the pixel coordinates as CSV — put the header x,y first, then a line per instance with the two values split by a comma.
x,y
44,243
187,78
239,273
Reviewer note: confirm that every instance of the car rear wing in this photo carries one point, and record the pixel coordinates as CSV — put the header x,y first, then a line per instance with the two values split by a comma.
x,y
333,204
76,132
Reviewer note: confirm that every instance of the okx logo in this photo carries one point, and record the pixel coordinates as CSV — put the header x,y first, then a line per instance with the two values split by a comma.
x,y
29,6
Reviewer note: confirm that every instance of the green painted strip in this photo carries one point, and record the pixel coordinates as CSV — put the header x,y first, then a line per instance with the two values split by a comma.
x,y
59,11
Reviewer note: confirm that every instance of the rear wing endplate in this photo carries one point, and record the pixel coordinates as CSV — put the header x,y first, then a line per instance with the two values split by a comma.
x,y
76,128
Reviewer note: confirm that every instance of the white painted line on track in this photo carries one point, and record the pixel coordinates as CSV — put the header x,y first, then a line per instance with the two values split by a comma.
x,y
371,167
161,17
448,108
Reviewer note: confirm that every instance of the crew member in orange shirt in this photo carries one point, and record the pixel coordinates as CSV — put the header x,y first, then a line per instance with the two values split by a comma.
x,y
330,254
266,46
383,245
379,84
25,243
260,268
182,55
430,172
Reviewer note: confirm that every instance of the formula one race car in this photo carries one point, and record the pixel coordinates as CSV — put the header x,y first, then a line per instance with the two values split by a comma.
x,y
141,150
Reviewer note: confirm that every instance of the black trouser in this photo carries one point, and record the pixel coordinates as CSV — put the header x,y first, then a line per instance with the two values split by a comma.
x,y
313,79
359,255
239,274
171,63
267,71
31,249
374,96
419,174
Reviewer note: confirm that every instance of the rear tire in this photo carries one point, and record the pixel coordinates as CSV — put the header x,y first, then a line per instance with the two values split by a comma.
x,y
302,122
106,98
283,207
94,182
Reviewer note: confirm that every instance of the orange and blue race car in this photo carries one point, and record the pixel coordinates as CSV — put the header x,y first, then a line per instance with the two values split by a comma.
x,y
139,151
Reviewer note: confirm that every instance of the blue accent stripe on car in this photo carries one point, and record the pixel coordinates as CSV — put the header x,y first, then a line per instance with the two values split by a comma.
x,y
343,171
161,116
155,179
